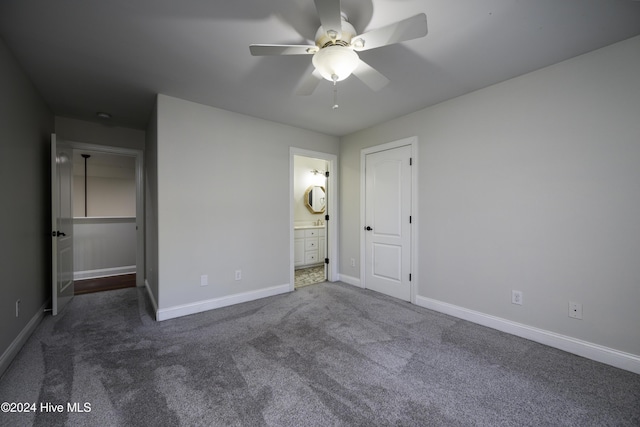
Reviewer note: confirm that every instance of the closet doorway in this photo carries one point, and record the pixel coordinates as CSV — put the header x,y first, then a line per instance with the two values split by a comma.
x,y
312,218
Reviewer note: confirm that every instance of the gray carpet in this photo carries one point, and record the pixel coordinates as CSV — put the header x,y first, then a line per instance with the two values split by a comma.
x,y
324,355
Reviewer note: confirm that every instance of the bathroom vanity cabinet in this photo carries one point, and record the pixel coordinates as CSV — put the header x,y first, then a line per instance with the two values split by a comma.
x,y
309,246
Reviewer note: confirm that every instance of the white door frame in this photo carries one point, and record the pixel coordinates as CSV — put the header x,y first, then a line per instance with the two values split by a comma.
x,y
139,156
413,142
332,211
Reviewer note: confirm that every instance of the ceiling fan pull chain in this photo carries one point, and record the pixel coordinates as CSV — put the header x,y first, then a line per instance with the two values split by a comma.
x,y
335,92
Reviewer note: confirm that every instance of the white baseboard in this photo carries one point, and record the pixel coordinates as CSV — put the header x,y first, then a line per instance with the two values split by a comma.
x,y
21,339
350,280
151,297
609,356
104,272
206,305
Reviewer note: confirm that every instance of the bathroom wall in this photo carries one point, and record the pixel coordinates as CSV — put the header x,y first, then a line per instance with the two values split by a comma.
x,y
303,178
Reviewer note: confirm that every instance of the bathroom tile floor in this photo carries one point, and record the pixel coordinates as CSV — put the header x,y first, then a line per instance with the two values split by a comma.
x,y
309,276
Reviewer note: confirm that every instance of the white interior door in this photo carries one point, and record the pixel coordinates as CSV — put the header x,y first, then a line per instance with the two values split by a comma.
x,y
62,225
387,222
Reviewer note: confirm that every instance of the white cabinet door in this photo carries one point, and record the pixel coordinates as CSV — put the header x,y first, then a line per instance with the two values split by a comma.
x,y
321,249
298,252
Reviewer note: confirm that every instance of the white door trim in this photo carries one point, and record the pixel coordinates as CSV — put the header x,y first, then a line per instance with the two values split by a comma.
x,y
413,142
332,211
139,156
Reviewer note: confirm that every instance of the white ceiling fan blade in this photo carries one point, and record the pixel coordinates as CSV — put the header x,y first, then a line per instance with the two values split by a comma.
x,y
407,29
329,13
309,83
281,49
370,76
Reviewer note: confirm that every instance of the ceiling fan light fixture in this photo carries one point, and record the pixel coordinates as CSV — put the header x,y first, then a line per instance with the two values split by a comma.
x,y
333,61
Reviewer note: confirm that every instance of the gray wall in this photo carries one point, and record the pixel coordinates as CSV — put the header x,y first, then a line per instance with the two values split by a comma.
x,y
214,215
26,124
99,133
151,206
531,184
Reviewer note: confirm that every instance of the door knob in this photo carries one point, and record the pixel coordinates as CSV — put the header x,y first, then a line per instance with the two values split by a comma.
x,y
57,233
368,228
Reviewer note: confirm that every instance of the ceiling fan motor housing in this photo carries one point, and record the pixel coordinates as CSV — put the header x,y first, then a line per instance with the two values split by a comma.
x,y
323,38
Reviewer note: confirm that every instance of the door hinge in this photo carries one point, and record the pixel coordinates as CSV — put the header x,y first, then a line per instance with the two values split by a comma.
x,y
410,161
410,219
326,260
326,217
409,276
326,174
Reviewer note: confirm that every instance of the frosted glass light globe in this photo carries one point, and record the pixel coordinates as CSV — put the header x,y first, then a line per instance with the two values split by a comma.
x,y
335,60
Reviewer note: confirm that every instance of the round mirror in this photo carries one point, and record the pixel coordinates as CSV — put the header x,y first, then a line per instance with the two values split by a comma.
x,y
315,199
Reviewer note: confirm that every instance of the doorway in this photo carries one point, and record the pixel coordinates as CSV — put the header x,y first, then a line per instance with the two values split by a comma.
x,y
71,147
388,200
122,229
312,218
104,220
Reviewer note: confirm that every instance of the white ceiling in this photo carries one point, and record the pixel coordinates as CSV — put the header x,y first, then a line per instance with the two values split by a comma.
x,y
86,56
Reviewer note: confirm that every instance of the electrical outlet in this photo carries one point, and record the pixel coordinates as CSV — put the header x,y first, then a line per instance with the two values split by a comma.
x,y
353,262
575,310
17,308
238,274
516,297
204,280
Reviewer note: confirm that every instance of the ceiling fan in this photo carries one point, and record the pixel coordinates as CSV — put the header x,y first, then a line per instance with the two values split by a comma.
x,y
336,45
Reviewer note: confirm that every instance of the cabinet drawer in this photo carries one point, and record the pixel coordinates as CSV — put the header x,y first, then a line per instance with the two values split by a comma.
x,y
311,257
310,244
312,232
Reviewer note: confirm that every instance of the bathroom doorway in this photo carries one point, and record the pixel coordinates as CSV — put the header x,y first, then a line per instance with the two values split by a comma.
x,y
312,218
